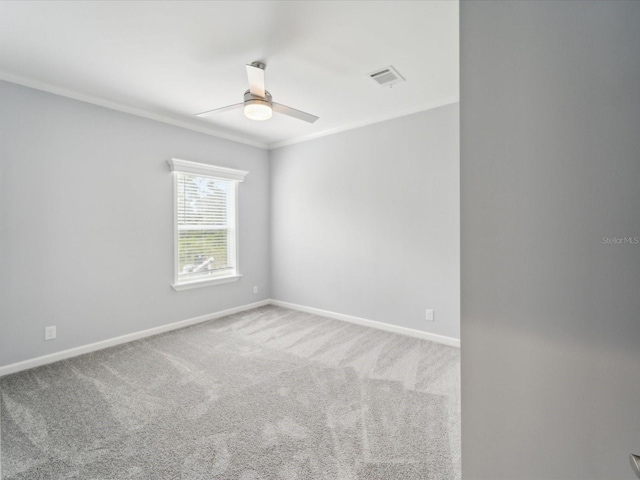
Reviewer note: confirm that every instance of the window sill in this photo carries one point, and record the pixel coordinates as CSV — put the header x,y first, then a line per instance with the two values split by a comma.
x,y
206,283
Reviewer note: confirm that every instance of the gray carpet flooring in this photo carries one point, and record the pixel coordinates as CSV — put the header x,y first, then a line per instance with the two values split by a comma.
x,y
264,394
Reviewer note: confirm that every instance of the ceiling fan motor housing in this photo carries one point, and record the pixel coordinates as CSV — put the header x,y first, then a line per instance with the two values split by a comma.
x,y
258,108
249,97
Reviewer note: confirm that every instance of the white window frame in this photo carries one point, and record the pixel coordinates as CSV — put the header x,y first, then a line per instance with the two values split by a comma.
x,y
221,173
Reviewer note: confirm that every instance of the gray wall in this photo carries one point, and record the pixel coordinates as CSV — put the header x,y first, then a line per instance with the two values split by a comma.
x,y
86,223
366,222
550,128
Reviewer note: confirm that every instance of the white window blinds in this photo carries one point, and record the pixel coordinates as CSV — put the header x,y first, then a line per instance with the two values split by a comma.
x,y
206,227
205,222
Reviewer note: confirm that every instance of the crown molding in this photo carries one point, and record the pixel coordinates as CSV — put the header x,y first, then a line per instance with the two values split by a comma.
x,y
178,122
382,118
120,107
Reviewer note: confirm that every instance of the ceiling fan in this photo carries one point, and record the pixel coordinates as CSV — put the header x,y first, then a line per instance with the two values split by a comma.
x,y
258,103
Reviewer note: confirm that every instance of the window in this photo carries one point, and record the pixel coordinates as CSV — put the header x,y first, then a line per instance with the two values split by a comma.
x,y
206,214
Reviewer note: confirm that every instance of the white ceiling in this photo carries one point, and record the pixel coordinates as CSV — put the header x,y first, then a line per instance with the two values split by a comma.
x,y
170,60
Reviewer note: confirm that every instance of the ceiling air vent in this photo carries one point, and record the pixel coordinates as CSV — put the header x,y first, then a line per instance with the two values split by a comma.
x,y
387,76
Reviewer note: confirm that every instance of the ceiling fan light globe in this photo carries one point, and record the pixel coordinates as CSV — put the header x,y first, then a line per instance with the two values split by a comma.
x,y
257,110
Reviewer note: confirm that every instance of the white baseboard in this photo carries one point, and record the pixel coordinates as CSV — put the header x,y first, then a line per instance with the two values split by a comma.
x,y
92,347
452,342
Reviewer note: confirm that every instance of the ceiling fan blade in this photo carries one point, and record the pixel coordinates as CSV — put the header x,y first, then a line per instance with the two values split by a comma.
x,y
220,110
255,73
292,112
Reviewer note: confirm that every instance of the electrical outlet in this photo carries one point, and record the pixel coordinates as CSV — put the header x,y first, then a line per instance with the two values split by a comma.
x,y
50,332
430,315
255,289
